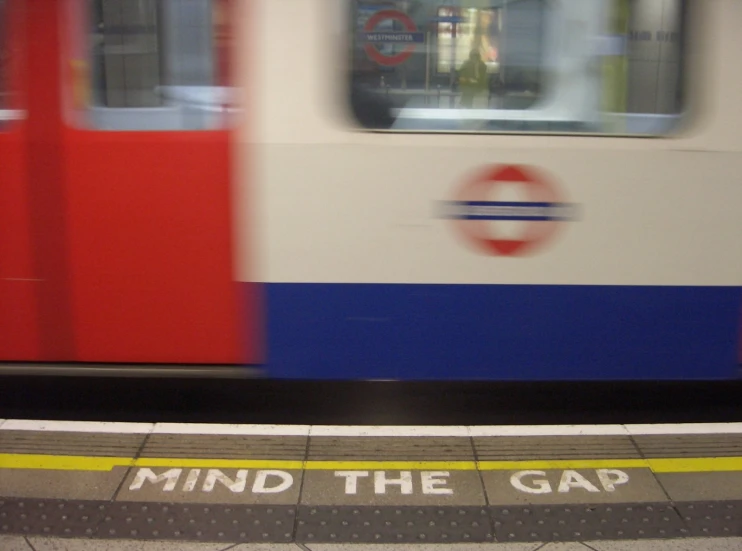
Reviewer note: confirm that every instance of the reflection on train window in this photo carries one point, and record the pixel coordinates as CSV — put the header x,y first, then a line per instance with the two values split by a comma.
x,y
5,85
583,66
4,55
156,65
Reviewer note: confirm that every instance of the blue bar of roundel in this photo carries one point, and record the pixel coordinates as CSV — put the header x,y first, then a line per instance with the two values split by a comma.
x,y
508,217
524,204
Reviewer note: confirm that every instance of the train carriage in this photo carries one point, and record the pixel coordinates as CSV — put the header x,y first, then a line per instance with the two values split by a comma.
x,y
347,189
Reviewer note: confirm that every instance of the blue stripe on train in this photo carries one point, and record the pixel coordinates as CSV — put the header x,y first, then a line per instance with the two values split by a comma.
x,y
502,332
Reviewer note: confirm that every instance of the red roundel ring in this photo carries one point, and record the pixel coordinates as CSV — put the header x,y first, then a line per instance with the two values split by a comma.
x,y
479,233
406,22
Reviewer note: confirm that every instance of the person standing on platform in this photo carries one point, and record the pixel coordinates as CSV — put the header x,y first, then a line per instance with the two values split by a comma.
x,y
472,79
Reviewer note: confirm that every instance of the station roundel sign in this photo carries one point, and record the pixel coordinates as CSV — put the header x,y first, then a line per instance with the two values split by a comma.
x,y
542,211
410,29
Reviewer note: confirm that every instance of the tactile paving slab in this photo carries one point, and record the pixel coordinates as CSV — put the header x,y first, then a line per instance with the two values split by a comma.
x,y
364,524
225,447
151,521
147,521
394,524
588,522
689,445
380,448
70,443
712,518
50,517
515,448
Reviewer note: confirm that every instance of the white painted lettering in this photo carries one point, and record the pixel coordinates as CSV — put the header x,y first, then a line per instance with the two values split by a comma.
x,y
432,479
190,484
404,482
145,474
542,486
351,480
259,487
610,478
573,479
215,475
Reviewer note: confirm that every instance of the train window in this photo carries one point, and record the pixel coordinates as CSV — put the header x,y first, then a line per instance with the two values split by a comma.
x,y
156,65
5,70
584,66
4,56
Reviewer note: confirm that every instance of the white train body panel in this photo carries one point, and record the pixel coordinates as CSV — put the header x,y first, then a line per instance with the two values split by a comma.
x,y
343,212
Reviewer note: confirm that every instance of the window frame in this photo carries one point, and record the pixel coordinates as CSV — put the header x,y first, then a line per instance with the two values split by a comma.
x,y
676,128
218,110
11,91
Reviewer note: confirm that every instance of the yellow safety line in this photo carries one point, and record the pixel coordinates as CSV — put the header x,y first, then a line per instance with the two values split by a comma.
x,y
90,463
390,466
560,464
62,462
219,463
696,465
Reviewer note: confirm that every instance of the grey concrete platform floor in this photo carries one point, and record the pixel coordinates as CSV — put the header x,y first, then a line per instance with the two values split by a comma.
x,y
19,543
274,488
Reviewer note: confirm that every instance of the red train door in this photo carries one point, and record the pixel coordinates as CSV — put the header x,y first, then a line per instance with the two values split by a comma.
x,y
19,277
129,178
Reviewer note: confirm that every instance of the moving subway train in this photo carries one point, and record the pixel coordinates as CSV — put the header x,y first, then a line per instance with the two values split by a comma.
x,y
396,189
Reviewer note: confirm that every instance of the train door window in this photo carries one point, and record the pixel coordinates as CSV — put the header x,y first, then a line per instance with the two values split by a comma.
x,y
155,65
611,67
4,56
8,92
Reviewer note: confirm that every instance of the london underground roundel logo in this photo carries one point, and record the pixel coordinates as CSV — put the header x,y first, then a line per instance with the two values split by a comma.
x,y
409,36
542,211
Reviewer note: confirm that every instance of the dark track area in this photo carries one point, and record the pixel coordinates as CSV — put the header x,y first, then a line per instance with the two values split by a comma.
x,y
383,403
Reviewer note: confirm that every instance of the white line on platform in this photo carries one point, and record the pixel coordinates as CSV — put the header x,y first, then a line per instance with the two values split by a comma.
x,y
241,430
687,428
550,430
408,431
78,426
368,430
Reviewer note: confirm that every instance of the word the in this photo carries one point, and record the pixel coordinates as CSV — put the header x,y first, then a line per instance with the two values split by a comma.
x,y
537,482
265,481
430,482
